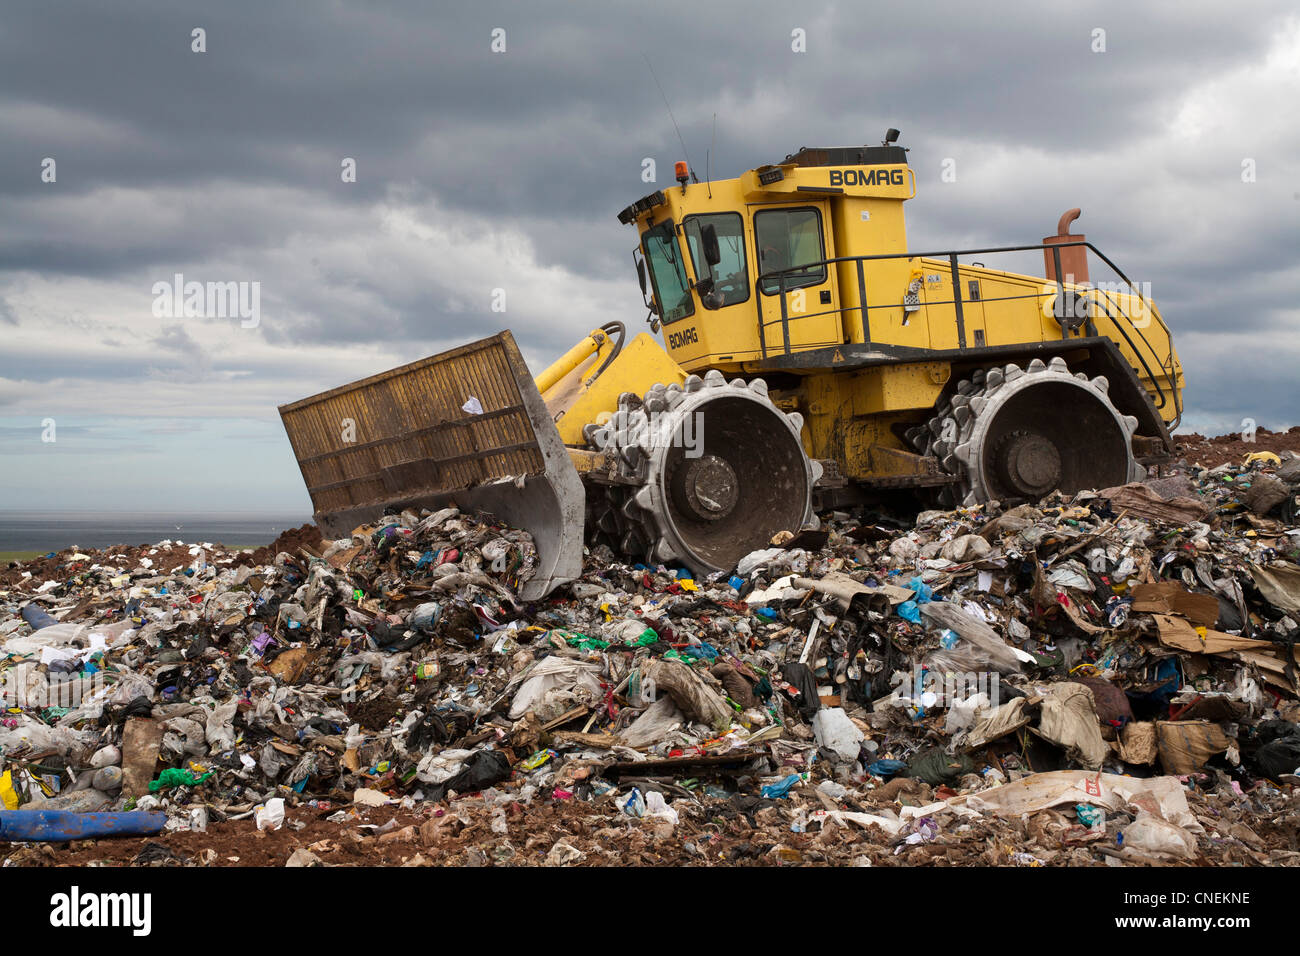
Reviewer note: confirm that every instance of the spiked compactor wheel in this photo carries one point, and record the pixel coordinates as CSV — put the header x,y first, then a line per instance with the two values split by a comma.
x,y
1016,434
713,471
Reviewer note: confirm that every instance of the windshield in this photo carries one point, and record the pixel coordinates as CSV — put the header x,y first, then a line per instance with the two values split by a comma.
x,y
729,275
667,273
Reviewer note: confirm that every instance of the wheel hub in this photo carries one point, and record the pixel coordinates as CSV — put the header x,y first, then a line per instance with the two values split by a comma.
x,y
1030,463
706,487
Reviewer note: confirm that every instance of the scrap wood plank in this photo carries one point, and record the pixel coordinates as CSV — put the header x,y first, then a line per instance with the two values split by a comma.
x,y
565,718
586,740
675,763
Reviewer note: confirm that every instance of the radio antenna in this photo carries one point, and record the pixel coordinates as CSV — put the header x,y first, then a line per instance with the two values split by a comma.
x,y
689,164
713,142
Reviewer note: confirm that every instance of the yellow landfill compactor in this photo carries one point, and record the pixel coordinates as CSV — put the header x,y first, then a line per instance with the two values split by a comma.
x,y
811,360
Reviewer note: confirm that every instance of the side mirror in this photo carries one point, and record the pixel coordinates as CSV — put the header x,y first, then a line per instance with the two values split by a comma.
x,y
639,259
710,297
709,239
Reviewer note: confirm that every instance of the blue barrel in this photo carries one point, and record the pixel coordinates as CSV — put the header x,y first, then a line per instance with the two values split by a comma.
x,y
60,826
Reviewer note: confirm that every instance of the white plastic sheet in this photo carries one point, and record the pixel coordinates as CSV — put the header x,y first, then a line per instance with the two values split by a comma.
x,y
555,679
1163,796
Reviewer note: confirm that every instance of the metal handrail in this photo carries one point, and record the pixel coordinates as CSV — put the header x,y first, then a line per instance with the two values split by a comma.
x,y
1105,302
1166,365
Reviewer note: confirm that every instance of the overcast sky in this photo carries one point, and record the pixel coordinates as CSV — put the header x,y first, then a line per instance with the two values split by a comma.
x,y
479,170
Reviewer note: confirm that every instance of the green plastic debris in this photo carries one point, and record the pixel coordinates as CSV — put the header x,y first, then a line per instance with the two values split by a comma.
x,y
582,641
645,639
173,777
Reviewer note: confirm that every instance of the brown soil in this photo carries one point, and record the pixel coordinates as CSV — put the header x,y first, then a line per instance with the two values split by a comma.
x,y
290,541
62,567
720,835
165,560
1212,452
606,837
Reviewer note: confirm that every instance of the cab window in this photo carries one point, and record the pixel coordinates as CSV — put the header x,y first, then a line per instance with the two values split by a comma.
x,y
667,274
788,238
730,276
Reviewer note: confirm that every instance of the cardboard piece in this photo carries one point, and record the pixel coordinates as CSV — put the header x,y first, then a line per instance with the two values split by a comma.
x,y
289,667
1264,494
1185,745
1170,597
1141,502
1280,585
1179,634
845,590
341,559
1070,721
1137,743
141,740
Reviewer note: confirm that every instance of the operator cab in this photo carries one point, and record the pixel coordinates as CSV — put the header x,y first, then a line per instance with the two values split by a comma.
x,y
737,270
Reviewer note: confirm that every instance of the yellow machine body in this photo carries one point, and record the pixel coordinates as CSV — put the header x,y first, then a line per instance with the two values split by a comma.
x,y
579,388
809,355
866,338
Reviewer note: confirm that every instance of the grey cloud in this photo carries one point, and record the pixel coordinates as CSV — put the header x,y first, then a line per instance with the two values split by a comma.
x,y
225,165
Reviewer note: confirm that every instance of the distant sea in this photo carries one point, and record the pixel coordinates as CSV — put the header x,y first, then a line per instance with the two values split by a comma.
x,y
55,530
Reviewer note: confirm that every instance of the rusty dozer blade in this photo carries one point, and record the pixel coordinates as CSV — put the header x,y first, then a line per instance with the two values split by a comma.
x,y
415,436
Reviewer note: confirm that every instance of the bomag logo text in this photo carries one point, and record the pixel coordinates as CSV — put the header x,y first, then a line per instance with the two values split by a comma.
x,y
866,177
686,337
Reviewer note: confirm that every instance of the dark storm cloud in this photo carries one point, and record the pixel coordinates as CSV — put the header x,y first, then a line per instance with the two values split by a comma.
x,y
560,122
228,161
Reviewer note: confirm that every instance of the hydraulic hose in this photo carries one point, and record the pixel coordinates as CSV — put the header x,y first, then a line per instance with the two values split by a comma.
x,y
611,328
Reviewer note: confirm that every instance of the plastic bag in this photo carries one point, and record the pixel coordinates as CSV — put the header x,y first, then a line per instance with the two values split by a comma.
x,y
963,713
553,684
1152,836
657,807
220,729
425,617
777,791
271,816
833,730
654,724
1279,757
481,771
32,733
995,650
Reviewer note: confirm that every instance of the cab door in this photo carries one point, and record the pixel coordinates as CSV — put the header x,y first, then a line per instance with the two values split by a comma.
x,y
795,238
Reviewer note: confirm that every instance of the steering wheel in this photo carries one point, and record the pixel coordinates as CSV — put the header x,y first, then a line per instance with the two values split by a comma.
x,y
731,285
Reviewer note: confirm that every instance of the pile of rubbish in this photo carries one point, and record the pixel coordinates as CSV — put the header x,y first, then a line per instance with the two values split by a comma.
x,y
1109,677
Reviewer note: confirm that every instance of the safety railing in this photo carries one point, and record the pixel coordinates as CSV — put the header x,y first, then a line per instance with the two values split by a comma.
x,y
1110,306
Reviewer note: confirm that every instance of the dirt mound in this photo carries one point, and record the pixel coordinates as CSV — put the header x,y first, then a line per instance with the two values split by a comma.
x,y
164,559
307,535
1212,452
